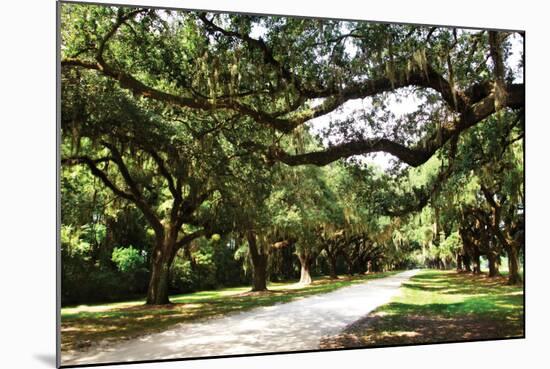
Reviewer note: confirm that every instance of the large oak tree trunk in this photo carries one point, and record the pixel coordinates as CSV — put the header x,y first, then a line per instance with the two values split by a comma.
x,y
163,256
305,263
332,266
349,263
513,264
376,267
363,266
259,264
505,237
511,247
467,261
459,265
477,263
259,280
492,258
157,291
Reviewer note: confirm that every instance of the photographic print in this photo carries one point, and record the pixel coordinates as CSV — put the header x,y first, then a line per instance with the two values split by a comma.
x,y
243,184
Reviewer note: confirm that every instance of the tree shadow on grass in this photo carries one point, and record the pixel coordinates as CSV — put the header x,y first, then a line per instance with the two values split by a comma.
x,y
452,283
440,307
417,329
401,324
423,287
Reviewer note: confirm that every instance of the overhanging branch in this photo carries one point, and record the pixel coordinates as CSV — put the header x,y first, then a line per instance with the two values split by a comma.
x,y
92,165
176,193
137,197
184,240
413,156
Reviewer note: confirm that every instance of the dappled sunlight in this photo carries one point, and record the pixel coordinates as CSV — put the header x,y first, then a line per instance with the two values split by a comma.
x,y
71,329
98,308
405,334
296,325
199,296
145,317
203,150
515,293
440,307
202,295
135,319
294,286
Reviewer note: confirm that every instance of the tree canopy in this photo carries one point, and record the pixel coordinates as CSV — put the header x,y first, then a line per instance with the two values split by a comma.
x,y
191,138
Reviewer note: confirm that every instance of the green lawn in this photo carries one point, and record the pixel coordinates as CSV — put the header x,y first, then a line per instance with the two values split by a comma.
x,y
440,306
84,325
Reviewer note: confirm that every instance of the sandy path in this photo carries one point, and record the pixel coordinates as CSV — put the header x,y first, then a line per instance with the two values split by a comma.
x,y
297,325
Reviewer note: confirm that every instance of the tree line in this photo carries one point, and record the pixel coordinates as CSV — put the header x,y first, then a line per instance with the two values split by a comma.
x,y
189,159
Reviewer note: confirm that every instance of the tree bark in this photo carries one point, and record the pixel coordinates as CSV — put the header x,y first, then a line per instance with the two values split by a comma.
x,y
349,263
305,263
259,282
504,236
459,265
492,258
362,267
511,246
164,252
259,264
513,264
332,266
466,261
157,291
477,263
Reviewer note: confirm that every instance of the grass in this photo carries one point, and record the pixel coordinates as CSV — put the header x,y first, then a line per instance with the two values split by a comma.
x,y
85,325
440,306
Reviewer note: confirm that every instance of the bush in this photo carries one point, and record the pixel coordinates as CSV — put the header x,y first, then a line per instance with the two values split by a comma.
x,y
128,259
212,265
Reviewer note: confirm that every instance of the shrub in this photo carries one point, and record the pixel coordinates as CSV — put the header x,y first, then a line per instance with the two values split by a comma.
x,y
128,259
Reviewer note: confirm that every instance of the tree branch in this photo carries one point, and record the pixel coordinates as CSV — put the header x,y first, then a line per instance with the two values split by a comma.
x,y
428,78
414,156
188,238
495,41
91,163
75,160
121,19
137,196
260,45
473,105
166,174
123,169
